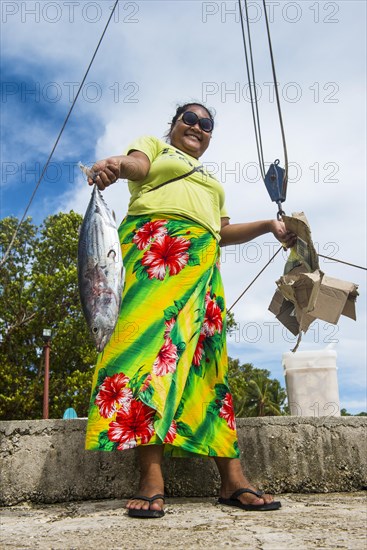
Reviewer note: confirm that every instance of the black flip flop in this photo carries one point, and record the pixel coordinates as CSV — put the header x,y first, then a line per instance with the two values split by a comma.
x,y
233,501
139,513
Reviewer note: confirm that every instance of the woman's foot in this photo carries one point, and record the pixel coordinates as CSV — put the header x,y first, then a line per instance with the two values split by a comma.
x,y
151,481
233,479
147,491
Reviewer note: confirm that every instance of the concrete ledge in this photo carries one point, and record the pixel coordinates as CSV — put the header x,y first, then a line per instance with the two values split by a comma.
x,y
45,461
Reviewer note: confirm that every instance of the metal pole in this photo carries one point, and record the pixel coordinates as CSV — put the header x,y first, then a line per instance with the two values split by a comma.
x,y
46,349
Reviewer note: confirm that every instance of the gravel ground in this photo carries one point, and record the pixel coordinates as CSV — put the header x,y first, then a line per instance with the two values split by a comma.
x,y
305,521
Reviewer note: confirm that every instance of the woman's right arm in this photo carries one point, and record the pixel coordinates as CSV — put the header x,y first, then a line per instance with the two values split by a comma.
x,y
134,166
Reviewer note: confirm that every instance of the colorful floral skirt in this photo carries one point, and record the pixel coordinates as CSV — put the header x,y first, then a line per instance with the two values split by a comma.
x,y
162,378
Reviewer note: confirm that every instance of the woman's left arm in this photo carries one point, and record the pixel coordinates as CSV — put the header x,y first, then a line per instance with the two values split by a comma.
x,y
239,233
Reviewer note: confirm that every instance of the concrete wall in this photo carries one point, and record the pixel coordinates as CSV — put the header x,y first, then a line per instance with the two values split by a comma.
x,y
45,460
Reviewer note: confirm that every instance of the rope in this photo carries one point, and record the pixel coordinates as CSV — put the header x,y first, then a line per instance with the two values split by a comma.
x,y
342,262
285,179
253,95
253,280
5,257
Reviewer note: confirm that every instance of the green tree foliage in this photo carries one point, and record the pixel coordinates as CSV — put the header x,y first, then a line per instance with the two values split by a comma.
x,y
39,290
254,392
231,322
344,412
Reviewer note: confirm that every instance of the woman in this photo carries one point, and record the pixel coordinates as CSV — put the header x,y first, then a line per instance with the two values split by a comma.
x,y
161,382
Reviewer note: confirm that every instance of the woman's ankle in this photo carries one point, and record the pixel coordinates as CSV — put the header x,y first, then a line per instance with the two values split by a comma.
x,y
151,477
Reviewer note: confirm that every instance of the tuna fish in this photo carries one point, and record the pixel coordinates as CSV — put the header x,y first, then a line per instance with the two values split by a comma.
x,y
100,270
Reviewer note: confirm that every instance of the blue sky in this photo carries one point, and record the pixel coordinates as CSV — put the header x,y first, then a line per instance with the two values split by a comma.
x,y
158,54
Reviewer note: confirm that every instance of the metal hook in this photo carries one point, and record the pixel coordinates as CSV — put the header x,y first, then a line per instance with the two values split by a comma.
x,y
280,212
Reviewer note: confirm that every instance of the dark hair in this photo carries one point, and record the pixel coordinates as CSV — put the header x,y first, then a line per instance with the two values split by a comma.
x,y
181,109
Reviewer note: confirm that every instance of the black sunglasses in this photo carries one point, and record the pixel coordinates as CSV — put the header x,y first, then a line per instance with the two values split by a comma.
x,y
190,118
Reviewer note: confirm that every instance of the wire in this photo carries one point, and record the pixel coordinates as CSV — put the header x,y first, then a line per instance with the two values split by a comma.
x,y
3,260
342,262
285,178
253,280
253,94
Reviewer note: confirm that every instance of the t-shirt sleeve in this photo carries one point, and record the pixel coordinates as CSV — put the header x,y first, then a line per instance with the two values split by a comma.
x,y
224,212
149,145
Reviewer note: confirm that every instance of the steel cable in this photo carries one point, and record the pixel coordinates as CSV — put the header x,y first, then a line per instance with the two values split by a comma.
x,y
253,94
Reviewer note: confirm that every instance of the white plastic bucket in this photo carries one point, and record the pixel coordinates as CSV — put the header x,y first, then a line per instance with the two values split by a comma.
x,y
312,383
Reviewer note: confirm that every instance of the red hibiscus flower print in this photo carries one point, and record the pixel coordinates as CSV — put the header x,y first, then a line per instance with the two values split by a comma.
x,y
171,434
166,359
113,395
146,234
166,253
213,317
132,426
227,411
198,353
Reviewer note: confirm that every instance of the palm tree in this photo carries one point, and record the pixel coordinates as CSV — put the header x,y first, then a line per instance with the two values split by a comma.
x,y
254,392
264,397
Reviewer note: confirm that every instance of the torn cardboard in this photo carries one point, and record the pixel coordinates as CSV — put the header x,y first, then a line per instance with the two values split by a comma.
x,y
304,292
284,311
303,253
317,296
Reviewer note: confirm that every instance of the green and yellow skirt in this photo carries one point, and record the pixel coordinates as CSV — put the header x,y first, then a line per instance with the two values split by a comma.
x,y
162,378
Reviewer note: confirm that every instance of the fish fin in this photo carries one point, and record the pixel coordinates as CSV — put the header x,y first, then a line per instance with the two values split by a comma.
x,y
87,171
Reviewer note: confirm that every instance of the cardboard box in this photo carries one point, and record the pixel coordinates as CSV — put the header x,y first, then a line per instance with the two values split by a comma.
x,y
304,292
284,311
332,298
305,297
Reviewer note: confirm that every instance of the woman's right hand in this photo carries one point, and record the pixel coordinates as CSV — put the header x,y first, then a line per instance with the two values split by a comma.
x,y
134,166
107,172
280,232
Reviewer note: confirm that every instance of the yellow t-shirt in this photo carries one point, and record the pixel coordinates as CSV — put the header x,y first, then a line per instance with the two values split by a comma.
x,y
199,197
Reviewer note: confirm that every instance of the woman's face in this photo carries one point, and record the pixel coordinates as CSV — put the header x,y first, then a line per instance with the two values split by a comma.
x,y
191,139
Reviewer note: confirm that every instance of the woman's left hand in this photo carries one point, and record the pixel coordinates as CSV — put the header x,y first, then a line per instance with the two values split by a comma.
x,y
280,232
